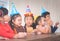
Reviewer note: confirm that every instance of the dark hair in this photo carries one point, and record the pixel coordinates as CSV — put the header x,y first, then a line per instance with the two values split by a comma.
x,y
38,19
13,18
45,13
4,10
33,24
1,13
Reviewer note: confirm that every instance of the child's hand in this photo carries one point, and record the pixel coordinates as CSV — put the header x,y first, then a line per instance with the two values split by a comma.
x,y
39,33
3,38
20,35
6,38
50,22
56,24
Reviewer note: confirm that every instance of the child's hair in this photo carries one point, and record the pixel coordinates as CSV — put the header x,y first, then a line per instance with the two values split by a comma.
x,y
30,16
3,12
45,13
38,19
13,18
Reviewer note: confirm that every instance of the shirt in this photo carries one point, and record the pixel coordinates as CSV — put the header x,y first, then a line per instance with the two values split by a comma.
x,y
6,31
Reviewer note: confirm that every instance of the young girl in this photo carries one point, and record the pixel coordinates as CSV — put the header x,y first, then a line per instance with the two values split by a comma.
x,y
29,20
42,27
15,23
5,29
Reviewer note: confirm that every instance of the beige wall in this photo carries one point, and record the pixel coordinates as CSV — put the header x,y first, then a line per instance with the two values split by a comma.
x,y
51,5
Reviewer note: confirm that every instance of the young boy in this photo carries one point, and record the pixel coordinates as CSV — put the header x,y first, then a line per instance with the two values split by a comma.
x,y
46,15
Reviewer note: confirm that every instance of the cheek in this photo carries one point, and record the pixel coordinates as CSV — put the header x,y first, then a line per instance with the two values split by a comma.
x,y
31,21
47,18
28,21
1,19
18,23
39,22
7,18
15,22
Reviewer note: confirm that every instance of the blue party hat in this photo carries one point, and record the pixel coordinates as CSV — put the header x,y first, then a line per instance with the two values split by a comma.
x,y
43,10
13,10
1,6
28,9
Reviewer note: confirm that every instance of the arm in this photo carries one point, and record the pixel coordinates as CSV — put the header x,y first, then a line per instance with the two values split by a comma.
x,y
6,34
6,31
53,29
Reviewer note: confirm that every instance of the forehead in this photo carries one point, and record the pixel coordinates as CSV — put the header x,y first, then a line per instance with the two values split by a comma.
x,y
47,15
29,17
19,17
42,18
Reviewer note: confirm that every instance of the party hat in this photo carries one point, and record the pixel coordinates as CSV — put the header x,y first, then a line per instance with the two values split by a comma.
x,y
43,10
28,11
13,10
0,6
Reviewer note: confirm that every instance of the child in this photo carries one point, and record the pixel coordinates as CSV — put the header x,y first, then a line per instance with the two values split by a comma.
x,y
29,19
46,15
41,26
6,17
15,23
5,29
4,26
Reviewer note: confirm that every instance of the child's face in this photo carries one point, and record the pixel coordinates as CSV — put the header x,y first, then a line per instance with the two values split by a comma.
x,y
47,17
18,21
42,21
28,21
6,18
1,19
